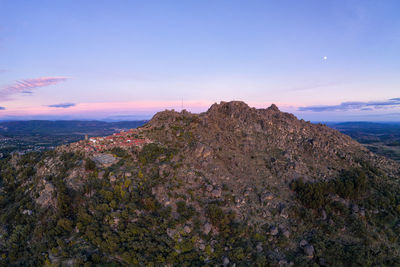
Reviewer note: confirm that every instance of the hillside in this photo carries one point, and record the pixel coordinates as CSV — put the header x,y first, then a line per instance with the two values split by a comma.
x,y
234,186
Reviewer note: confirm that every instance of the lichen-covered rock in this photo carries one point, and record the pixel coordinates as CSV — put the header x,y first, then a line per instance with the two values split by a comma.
x,y
355,208
309,250
286,233
324,216
46,195
259,247
187,229
273,230
216,193
225,261
207,228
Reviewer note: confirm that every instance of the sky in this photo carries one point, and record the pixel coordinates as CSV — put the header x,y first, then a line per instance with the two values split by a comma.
x,y
323,60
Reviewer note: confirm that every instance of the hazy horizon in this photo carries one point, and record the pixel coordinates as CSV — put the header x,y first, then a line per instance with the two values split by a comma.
x,y
387,118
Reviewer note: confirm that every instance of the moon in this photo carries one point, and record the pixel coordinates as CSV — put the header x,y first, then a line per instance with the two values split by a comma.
x,y
325,58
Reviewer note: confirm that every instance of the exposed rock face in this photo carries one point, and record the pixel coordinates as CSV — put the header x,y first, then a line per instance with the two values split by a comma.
x,y
46,195
276,142
74,179
105,159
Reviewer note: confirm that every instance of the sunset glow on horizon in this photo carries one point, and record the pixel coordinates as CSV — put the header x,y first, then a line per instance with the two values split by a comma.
x,y
140,109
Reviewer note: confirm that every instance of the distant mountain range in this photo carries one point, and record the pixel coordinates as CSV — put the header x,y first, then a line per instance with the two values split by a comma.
x,y
45,127
380,138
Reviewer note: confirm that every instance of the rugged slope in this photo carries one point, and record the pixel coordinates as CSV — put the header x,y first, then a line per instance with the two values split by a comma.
x,y
233,185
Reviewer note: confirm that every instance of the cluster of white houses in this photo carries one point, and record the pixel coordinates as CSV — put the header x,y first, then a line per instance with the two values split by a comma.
x,y
126,139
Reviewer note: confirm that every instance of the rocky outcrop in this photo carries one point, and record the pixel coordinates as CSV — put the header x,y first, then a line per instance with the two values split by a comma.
x,y
46,195
255,154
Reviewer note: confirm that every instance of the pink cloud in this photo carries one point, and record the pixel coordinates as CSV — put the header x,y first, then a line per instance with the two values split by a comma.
x,y
25,86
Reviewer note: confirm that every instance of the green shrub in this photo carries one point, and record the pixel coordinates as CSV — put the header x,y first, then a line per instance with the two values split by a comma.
x,y
119,152
185,211
350,185
220,218
90,165
151,152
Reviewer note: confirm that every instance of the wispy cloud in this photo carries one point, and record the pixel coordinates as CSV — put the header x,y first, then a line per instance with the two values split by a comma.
x,y
62,105
345,106
26,86
27,92
315,85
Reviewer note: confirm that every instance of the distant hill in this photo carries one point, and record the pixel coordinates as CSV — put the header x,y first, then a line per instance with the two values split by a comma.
x,y
380,138
233,186
44,127
389,128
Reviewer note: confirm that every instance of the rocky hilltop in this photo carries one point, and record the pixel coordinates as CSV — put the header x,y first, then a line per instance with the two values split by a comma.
x,y
241,138
233,186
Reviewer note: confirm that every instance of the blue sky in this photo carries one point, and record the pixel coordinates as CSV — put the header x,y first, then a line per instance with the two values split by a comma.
x,y
97,59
